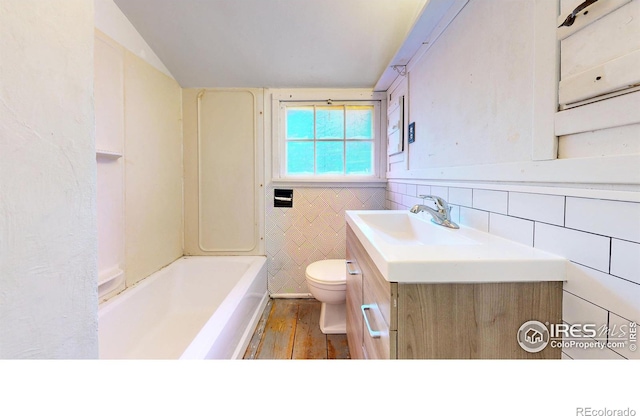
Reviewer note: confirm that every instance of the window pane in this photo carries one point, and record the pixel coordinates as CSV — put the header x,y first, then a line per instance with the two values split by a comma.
x,y
330,158
300,123
360,122
360,158
300,158
330,122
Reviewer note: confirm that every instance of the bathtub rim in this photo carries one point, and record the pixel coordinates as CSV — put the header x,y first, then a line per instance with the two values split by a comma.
x,y
211,330
256,273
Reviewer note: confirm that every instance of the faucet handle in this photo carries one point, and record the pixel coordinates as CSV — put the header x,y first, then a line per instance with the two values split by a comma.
x,y
441,204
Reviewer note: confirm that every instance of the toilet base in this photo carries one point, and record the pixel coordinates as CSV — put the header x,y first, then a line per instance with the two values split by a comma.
x,y
333,318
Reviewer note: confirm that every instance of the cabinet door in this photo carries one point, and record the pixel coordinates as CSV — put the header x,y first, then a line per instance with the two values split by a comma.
x,y
473,320
599,49
599,89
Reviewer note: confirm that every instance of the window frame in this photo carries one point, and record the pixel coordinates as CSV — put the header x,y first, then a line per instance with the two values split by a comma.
x,y
280,150
316,106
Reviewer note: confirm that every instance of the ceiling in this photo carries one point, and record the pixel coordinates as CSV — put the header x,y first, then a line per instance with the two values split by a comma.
x,y
274,43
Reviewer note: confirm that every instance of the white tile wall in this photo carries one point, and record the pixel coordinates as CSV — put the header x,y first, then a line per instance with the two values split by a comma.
x,y
461,196
543,208
494,201
455,213
512,228
474,218
584,248
441,191
613,218
625,260
603,274
576,310
609,292
409,201
423,190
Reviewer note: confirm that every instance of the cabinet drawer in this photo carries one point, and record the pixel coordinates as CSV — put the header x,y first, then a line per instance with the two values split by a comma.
x,y
380,348
379,341
382,292
355,324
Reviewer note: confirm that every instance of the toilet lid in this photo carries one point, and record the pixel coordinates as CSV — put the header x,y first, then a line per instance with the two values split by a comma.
x,y
331,272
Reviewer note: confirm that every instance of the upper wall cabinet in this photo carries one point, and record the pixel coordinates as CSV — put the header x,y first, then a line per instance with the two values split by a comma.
x,y
599,50
599,88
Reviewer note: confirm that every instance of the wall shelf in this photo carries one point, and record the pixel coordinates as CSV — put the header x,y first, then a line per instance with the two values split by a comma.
x,y
108,154
109,275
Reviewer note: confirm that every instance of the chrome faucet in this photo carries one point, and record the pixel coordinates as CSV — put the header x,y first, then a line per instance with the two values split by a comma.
x,y
441,215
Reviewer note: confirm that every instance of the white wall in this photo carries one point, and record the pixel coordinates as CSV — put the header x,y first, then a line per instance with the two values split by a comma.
x,y
48,273
472,97
110,20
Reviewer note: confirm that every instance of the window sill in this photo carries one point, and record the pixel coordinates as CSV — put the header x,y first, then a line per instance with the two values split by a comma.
x,y
329,182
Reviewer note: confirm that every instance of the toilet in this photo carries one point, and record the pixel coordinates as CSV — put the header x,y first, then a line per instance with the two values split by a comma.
x,y
327,283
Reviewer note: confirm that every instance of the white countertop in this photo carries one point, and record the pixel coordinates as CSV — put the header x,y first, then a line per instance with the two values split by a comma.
x,y
409,248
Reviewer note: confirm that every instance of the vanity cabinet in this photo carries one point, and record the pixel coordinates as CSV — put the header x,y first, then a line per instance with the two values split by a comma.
x,y
442,321
371,311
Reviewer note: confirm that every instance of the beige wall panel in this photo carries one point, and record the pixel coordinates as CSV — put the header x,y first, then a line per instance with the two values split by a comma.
x,y
153,169
227,218
109,94
223,159
190,149
109,109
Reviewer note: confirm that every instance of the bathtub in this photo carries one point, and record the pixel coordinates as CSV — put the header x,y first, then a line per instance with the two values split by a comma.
x,y
195,308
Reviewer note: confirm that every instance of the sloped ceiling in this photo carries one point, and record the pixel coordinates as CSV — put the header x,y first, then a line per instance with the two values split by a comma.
x,y
274,43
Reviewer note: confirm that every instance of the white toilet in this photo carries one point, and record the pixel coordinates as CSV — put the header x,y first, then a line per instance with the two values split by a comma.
x,y
328,284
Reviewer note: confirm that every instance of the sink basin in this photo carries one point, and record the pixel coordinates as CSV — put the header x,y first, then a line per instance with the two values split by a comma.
x,y
409,248
399,227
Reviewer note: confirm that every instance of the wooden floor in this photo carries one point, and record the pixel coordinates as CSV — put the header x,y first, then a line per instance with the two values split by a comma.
x,y
289,330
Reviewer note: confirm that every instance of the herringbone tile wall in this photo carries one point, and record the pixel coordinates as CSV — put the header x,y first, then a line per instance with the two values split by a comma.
x,y
314,229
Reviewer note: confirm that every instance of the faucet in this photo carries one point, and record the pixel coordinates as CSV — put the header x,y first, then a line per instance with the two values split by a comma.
x,y
441,216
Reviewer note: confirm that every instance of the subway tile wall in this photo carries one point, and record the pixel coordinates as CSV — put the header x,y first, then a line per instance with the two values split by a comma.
x,y
599,237
313,229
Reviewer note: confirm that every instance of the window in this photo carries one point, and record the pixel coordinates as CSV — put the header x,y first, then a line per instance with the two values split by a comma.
x,y
329,140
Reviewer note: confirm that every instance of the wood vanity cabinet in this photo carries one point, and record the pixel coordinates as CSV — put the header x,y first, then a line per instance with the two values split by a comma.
x,y
442,321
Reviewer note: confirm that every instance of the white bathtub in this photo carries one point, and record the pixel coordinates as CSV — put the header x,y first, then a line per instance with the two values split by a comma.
x,y
195,308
